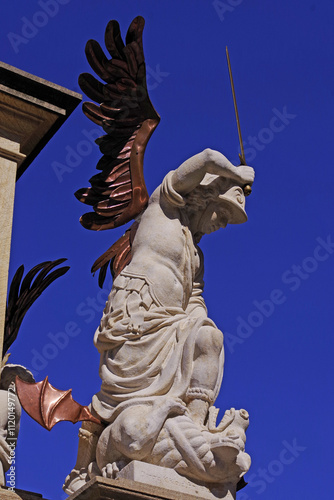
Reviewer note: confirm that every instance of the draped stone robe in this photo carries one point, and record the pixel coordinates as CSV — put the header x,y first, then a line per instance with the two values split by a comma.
x,y
147,348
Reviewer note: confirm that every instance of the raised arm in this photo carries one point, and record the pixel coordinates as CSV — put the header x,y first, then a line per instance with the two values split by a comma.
x,y
189,175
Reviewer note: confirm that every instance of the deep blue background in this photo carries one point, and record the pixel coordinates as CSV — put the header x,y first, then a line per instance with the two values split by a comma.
x,y
282,58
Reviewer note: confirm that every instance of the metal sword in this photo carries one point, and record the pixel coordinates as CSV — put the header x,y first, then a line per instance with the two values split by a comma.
x,y
247,188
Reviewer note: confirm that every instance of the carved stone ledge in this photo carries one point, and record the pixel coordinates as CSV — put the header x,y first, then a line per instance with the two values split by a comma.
x,y
122,489
139,480
31,111
6,494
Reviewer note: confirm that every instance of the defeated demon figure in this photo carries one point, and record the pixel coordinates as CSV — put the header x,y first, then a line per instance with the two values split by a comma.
x,y
162,358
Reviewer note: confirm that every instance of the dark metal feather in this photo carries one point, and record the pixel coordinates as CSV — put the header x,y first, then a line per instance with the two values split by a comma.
x,y
113,40
126,114
23,293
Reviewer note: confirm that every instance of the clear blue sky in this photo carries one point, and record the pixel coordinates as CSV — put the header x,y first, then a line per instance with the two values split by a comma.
x,y
268,282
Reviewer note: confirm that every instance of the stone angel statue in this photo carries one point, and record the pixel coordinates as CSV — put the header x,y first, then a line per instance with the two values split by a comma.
x,y
162,357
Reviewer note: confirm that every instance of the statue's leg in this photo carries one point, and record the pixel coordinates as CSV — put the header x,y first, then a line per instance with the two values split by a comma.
x,y
133,433
89,434
206,370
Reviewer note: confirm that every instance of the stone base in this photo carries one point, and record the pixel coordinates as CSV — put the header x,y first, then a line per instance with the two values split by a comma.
x,y
139,480
155,476
6,494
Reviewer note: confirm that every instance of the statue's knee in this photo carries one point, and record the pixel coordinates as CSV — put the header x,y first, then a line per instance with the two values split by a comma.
x,y
209,340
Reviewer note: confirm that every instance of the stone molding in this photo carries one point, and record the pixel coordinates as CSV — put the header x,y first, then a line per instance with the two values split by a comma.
x,y
124,489
31,111
6,494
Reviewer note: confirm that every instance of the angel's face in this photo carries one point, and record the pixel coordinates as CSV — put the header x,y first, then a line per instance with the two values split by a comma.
x,y
214,217
227,208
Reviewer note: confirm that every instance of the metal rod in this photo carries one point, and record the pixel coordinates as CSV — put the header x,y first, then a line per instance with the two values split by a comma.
x,y
242,156
247,188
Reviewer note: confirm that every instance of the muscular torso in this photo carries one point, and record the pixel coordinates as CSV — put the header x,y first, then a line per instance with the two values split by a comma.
x,y
163,251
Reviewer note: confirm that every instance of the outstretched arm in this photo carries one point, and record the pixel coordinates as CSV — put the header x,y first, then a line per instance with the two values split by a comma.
x,y
189,175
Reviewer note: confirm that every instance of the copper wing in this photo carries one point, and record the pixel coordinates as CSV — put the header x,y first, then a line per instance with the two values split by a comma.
x,y
124,111
48,405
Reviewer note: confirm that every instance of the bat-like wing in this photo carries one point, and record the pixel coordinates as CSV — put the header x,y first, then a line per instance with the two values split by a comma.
x,y
48,405
118,193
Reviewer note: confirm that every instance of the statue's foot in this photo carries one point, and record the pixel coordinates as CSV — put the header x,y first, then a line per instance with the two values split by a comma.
x,y
75,480
111,470
78,478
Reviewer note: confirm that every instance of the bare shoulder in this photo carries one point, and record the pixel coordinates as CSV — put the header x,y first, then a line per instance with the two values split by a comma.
x,y
159,203
155,196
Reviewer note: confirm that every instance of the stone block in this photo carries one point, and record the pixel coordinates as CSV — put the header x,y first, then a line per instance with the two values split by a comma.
x,y
100,488
139,480
6,494
155,476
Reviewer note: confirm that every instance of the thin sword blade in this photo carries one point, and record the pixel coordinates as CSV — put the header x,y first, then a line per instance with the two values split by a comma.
x,y
242,156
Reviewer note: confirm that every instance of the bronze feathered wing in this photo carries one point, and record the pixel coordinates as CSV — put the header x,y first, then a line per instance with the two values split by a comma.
x,y
124,111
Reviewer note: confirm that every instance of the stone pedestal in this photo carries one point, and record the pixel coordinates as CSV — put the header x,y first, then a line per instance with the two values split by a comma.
x,y
124,489
6,494
139,480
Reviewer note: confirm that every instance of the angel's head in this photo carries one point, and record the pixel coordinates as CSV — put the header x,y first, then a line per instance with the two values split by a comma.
x,y
216,202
